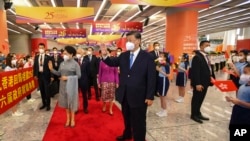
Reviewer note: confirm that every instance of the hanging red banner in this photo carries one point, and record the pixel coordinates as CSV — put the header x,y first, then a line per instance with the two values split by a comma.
x,y
116,26
64,33
14,86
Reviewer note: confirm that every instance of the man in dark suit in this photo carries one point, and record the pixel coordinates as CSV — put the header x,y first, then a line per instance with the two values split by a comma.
x,y
83,61
200,80
136,88
94,66
56,60
42,73
155,53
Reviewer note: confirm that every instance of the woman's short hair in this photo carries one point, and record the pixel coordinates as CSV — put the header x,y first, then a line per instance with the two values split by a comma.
x,y
70,50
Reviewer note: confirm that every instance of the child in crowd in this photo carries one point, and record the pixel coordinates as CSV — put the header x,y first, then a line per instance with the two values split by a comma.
x,y
163,82
181,78
241,110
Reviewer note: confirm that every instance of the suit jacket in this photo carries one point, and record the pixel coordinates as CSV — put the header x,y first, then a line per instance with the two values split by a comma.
x,y
154,54
59,60
94,66
201,74
46,71
137,83
85,72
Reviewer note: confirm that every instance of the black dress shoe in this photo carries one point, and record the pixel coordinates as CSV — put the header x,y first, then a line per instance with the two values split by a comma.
x,y
42,107
48,108
203,118
122,138
196,119
86,111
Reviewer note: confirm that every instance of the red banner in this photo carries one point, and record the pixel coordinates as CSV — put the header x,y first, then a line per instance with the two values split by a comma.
x,y
14,86
64,33
117,26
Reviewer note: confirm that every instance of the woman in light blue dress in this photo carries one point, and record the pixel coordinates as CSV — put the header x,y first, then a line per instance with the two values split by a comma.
x,y
69,73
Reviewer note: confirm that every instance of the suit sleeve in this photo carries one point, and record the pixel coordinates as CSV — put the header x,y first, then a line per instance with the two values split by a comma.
x,y
112,62
151,79
196,70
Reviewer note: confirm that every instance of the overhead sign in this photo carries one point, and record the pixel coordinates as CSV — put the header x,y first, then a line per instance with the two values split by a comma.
x,y
166,3
64,33
116,26
71,41
103,38
53,14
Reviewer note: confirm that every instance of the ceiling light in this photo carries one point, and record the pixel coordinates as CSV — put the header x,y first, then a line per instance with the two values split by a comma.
x,y
24,29
10,23
77,25
153,16
155,22
219,4
11,11
53,3
100,9
28,3
246,2
118,13
62,26
137,13
14,31
153,29
214,12
78,3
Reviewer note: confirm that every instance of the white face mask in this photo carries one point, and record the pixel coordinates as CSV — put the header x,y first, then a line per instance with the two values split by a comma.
x,y
235,58
130,46
65,57
118,53
240,58
55,52
157,48
78,56
89,52
208,49
13,62
245,78
41,51
248,58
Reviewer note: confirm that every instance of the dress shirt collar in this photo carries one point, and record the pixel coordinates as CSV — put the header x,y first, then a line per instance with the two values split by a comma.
x,y
136,52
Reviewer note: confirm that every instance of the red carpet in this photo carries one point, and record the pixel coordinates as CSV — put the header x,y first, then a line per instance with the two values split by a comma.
x,y
94,126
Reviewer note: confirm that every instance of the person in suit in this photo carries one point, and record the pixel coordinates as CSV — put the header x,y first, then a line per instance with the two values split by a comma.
x,y
136,86
200,80
94,67
155,53
83,61
56,60
42,73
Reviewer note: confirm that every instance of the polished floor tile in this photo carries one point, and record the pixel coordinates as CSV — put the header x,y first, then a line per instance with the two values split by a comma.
x,y
177,126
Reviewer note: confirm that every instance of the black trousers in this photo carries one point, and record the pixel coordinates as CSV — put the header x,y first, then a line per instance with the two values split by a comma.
x,y
217,66
134,121
197,100
93,81
44,87
84,96
28,97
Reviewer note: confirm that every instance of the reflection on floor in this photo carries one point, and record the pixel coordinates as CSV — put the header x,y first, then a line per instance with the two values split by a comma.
x,y
177,126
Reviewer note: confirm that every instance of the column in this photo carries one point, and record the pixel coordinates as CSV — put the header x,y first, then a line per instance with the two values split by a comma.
x,y
4,41
181,31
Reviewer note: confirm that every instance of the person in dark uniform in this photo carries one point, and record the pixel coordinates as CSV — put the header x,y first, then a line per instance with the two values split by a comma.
x,y
42,73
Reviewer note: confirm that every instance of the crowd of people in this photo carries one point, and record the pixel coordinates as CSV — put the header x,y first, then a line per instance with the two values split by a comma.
x,y
133,78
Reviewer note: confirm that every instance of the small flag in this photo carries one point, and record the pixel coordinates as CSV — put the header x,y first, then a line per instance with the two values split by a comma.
x,y
225,85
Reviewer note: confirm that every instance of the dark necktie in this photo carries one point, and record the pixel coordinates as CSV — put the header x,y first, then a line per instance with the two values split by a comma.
x,y
131,60
41,60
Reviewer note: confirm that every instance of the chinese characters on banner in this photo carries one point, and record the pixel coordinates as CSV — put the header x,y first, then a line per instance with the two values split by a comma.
x,y
64,33
190,43
117,26
14,86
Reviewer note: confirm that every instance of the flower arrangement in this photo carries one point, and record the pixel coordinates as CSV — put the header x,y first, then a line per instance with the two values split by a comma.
x,y
160,61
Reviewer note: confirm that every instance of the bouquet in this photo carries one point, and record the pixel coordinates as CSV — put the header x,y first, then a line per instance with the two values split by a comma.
x,y
160,62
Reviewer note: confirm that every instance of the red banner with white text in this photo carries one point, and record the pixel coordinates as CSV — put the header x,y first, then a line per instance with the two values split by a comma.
x,y
14,86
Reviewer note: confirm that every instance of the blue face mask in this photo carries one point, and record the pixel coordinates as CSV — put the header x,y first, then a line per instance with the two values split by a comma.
x,y
245,78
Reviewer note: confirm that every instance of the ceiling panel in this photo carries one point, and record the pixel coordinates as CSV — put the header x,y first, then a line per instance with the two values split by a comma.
x,y
222,15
